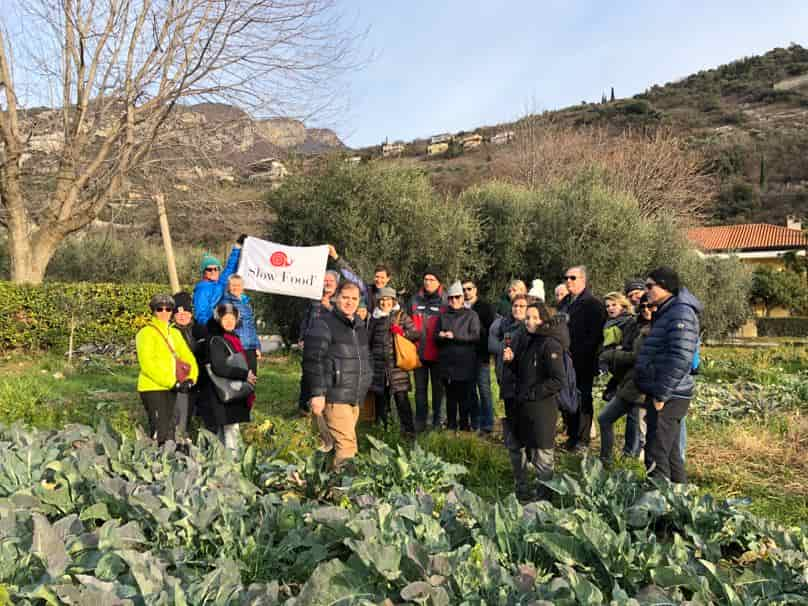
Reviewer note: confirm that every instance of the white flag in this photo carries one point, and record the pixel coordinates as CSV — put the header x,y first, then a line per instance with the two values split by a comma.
x,y
296,271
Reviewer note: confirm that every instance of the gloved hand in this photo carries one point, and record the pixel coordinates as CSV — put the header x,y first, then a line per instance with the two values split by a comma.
x,y
397,330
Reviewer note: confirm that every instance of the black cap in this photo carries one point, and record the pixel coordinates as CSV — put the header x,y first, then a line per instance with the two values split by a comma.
x,y
632,285
666,278
431,272
183,299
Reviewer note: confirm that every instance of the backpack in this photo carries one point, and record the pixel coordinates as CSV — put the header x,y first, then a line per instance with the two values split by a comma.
x,y
569,398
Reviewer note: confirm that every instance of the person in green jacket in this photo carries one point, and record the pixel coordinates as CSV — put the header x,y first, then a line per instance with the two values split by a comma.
x,y
158,346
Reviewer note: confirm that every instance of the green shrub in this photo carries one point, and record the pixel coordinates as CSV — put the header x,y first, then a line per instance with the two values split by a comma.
x,y
373,214
36,317
782,327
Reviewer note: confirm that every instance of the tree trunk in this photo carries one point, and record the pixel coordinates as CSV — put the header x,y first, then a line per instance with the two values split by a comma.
x,y
160,200
30,255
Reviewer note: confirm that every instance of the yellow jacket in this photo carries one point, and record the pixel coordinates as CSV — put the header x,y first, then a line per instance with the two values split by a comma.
x,y
157,367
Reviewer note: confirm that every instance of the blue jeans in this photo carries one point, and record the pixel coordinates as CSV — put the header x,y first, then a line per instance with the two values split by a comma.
x,y
482,405
635,432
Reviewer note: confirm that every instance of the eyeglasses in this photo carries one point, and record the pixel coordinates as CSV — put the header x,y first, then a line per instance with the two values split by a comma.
x,y
649,285
169,309
571,278
520,305
210,270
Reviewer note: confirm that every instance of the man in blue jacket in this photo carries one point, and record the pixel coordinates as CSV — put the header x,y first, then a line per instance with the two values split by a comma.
x,y
663,370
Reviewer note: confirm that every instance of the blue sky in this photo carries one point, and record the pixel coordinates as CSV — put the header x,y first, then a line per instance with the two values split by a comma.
x,y
458,64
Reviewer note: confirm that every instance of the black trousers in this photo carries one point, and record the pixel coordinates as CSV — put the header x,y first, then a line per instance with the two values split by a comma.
x,y
662,443
159,407
403,407
580,424
252,360
458,404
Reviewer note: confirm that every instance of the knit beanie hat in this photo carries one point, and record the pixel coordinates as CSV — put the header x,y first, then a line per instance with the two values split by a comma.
x,y
666,278
632,285
455,290
208,260
431,272
161,300
183,299
536,289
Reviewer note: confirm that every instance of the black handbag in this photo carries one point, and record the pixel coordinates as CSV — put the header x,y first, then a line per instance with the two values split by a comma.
x,y
229,390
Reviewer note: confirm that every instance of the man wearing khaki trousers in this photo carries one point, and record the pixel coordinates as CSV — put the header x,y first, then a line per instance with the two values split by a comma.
x,y
338,370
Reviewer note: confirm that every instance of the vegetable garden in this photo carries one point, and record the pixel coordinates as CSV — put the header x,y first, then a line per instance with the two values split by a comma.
x,y
99,515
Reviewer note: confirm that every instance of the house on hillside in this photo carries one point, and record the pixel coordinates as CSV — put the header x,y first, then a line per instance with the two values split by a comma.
x,y
433,149
471,141
755,244
267,169
503,137
392,149
442,138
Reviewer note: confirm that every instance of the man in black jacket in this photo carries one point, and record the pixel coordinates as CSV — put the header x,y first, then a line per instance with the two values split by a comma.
x,y
586,316
482,405
338,372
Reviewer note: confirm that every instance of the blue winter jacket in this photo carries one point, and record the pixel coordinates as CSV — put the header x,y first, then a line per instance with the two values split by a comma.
x,y
246,329
207,293
664,363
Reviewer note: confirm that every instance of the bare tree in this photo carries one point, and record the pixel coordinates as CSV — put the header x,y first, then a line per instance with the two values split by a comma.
x,y
656,167
120,72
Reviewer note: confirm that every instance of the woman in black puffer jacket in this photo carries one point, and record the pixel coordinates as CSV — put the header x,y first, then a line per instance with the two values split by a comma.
x,y
388,379
458,334
541,374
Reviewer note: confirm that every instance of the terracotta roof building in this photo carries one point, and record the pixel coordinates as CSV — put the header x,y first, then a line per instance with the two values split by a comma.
x,y
756,242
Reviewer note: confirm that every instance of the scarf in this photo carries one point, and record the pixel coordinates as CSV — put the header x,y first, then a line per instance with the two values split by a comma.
x,y
235,343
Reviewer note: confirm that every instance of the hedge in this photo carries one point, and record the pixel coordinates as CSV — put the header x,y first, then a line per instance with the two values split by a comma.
x,y
782,327
39,317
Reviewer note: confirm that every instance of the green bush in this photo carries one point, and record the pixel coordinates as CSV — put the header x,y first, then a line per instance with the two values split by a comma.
x,y
530,234
782,327
36,317
373,214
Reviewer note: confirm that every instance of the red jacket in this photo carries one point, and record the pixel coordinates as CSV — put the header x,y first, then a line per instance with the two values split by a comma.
x,y
425,311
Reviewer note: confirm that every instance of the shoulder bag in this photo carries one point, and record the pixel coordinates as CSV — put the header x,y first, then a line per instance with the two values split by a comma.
x,y
181,369
230,390
406,351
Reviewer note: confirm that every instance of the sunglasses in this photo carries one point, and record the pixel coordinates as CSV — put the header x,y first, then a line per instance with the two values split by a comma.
x,y
210,270
571,278
647,306
455,297
171,309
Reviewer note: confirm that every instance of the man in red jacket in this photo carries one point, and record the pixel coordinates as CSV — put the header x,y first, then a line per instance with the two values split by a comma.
x,y
425,309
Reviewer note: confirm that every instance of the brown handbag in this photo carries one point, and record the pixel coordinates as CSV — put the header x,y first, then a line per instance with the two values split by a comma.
x,y
406,351
182,370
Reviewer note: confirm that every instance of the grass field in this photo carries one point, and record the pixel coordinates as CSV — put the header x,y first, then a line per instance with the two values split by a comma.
x,y
758,450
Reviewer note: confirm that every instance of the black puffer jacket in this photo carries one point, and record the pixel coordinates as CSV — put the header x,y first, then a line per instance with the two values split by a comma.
x,y
336,359
503,329
213,411
540,374
620,362
385,371
458,356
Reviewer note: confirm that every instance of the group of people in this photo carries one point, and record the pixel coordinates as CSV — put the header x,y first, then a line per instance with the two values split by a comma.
x,y
644,338
199,356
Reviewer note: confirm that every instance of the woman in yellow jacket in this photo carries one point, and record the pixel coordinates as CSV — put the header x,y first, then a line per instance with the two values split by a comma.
x,y
158,344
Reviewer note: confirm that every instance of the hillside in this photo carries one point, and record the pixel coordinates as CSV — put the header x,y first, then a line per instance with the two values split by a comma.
x,y
749,118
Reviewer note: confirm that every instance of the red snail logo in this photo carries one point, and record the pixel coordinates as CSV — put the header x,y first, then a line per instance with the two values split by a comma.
x,y
279,259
